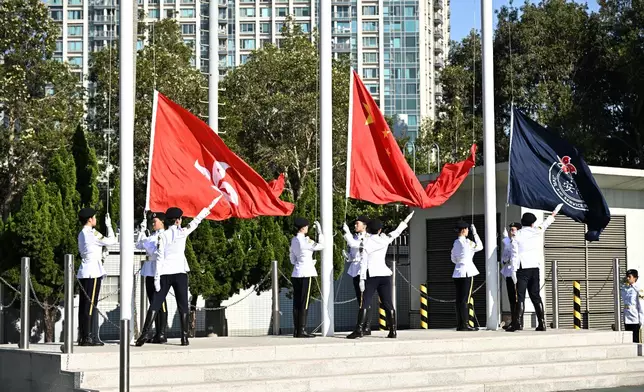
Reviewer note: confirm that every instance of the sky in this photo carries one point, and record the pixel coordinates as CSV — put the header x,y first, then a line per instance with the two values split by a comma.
x,y
466,14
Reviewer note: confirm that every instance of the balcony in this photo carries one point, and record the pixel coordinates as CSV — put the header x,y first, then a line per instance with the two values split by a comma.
x,y
438,4
223,49
438,18
438,34
104,19
342,15
103,3
103,35
439,63
439,91
342,31
342,47
187,2
438,46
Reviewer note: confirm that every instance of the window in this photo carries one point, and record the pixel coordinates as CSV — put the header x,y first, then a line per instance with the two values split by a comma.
x,y
411,42
247,1
75,15
412,104
247,27
58,58
411,57
281,11
410,11
412,120
168,1
74,2
411,88
370,10
411,26
370,73
139,45
343,27
55,2
370,58
75,46
169,13
222,14
247,43
75,62
395,42
279,26
371,25
153,14
188,28
247,12
373,88
74,31
264,42
153,1
265,28
265,12
189,42
305,27
243,58
370,42
187,12
59,46
387,75
411,73
57,15
302,11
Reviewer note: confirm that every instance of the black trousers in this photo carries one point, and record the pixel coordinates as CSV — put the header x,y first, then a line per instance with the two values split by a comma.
x,y
356,288
301,293
149,291
528,278
381,284
637,332
463,290
179,282
88,300
512,292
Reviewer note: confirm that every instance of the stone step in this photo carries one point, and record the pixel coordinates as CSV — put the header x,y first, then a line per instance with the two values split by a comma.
x,y
286,348
341,366
510,374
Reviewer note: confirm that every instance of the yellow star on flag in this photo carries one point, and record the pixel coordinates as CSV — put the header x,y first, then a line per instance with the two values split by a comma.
x,y
388,152
386,133
369,119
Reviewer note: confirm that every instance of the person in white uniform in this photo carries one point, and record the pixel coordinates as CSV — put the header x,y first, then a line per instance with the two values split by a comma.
x,y
509,271
633,298
354,257
149,244
301,255
527,258
462,256
91,272
374,273
172,270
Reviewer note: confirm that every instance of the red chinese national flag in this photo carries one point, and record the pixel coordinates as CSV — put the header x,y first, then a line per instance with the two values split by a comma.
x,y
378,172
190,166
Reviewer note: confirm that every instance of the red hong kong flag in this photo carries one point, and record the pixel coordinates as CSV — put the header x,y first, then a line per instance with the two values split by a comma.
x,y
190,166
377,170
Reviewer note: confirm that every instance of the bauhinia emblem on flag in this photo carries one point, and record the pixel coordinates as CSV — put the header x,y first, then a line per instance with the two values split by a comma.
x,y
190,165
376,167
545,170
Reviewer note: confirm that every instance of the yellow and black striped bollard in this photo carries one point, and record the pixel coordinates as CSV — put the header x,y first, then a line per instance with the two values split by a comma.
x,y
423,307
577,306
383,316
471,312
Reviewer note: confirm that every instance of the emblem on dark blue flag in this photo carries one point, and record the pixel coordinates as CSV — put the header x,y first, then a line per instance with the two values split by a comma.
x,y
563,183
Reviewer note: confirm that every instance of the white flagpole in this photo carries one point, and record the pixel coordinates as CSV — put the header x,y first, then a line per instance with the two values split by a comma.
x,y
326,167
127,41
491,264
349,134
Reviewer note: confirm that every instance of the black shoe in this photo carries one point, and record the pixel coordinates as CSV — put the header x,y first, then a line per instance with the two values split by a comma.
x,y
391,322
95,341
464,324
358,332
183,318
517,321
146,332
301,330
366,326
160,325
541,316
296,321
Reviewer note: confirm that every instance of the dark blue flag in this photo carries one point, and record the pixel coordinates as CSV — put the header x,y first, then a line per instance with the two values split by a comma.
x,y
545,171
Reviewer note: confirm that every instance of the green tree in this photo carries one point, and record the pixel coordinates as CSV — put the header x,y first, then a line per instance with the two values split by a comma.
x,y
40,98
86,169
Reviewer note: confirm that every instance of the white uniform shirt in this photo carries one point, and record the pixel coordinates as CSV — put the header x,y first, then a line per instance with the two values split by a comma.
x,y
463,256
527,245
374,249
355,257
149,245
633,298
90,247
171,250
301,253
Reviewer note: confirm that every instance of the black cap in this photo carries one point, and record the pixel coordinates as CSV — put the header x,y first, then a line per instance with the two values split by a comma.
x,y
515,224
374,225
460,225
86,213
173,213
528,219
362,218
632,272
159,215
300,222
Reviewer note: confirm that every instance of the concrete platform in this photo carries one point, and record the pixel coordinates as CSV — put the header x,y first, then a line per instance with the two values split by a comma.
x,y
434,360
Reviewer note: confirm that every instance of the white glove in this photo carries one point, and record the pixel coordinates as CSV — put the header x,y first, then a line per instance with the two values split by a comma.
x,y
345,228
317,227
505,233
157,283
108,221
557,209
144,225
362,285
345,255
473,229
408,218
203,214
